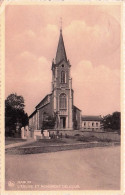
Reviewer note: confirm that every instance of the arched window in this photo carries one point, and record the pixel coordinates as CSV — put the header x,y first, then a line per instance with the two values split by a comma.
x,y
63,77
62,101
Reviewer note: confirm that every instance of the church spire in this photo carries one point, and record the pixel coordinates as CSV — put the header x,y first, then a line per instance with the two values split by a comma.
x,y
61,53
61,24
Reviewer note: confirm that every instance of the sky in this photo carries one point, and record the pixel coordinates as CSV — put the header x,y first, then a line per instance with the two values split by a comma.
x,y
91,36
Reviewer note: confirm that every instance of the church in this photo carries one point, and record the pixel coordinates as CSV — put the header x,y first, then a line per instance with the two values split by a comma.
x,y
60,102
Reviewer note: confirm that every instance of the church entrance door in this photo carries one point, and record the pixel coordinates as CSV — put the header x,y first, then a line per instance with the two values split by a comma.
x,y
62,122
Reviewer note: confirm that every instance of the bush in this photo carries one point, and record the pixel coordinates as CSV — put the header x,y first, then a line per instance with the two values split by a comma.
x,y
93,138
49,123
83,139
77,135
66,136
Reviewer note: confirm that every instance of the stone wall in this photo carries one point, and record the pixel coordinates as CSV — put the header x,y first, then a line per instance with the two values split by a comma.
x,y
68,132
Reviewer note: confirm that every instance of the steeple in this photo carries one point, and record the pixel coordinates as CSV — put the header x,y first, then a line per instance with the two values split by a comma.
x,y
61,53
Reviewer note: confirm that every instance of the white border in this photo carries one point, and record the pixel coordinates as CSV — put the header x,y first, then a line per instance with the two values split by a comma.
x,y
2,96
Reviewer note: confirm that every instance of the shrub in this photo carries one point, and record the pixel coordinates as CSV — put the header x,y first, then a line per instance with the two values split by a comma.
x,y
77,135
66,136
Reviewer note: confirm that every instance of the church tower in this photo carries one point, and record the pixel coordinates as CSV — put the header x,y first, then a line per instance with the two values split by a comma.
x,y
59,102
62,93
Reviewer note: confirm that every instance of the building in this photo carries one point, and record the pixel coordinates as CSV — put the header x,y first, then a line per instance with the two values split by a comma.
x,y
59,103
91,123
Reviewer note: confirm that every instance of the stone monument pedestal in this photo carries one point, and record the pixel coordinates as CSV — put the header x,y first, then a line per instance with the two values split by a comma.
x,y
46,134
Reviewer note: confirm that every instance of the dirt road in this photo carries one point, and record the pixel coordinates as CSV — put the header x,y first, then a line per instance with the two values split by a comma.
x,y
83,169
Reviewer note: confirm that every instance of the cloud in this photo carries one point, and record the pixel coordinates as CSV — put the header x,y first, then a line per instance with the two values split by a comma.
x,y
94,30
97,89
92,41
97,42
29,76
29,67
112,10
36,42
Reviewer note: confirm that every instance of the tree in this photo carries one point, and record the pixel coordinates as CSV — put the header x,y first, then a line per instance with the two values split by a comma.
x,y
49,123
25,119
15,102
116,120
14,112
112,122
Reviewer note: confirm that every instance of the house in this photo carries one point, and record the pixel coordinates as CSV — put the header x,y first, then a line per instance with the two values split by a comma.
x,y
91,123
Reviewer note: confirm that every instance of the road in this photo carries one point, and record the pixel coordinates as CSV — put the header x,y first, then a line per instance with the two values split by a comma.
x,y
83,169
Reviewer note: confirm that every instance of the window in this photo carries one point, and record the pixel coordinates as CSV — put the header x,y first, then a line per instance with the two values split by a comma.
x,y
96,124
62,101
84,123
63,77
62,65
92,124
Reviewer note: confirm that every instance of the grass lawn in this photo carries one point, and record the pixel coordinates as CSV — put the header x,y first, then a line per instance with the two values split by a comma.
x,y
54,142
62,144
54,145
12,140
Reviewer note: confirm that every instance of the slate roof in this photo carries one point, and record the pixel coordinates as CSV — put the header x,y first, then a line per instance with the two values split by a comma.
x,y
61,53
43,99
32,113
91,118
39,105
76,108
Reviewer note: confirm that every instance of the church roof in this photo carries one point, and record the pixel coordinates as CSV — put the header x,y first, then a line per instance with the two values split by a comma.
x,y
34,112
91,118
44,99
76,108
42,103
61,53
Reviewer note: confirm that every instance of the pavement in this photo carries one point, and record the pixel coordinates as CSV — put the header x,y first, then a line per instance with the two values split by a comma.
x,y
83,169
